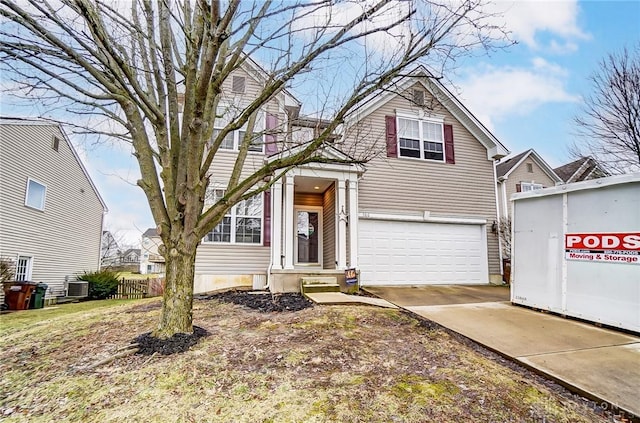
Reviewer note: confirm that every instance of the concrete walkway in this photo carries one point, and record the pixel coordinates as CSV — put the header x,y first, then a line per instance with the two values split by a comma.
x,y
340,298
599,363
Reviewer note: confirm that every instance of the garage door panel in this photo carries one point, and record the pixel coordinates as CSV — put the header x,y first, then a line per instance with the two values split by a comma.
x,y
393,252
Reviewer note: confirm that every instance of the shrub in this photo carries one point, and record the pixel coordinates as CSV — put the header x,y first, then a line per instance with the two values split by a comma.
x,y
7,269
102,284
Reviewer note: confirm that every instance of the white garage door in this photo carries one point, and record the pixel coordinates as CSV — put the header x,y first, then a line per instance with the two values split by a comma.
x,y
416,253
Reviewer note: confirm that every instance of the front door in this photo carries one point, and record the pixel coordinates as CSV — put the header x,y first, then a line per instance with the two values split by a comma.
x,y
309,236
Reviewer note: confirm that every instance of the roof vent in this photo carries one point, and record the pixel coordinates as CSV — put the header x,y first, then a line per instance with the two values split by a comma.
x,y
238,84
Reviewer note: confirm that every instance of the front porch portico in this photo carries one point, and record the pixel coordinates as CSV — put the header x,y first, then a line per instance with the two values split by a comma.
x,y
314,222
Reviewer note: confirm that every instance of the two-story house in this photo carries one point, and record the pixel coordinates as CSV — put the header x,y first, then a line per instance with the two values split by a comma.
x,y
523,172
419,211
151,261
50,211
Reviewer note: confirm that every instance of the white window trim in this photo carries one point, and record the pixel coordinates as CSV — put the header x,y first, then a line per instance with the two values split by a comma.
x,y
29,269
236,134
530,186
416,117
234,216
237,141
44,197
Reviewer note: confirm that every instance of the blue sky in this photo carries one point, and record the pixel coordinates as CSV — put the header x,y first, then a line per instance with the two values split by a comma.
x,y
527,95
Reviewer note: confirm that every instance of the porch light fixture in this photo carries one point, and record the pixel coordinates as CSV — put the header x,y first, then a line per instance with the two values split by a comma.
x,y
316,187
494,227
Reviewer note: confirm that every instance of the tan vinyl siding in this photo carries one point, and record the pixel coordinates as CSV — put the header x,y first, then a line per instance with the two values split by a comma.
x,y
253,88
232,259
226,258
64,239
520,174
402,185
329,228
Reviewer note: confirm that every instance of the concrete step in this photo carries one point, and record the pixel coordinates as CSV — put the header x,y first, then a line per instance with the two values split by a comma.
x,y
319,284
325,287
315,280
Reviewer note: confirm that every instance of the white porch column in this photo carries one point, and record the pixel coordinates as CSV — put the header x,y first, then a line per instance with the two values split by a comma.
x,y
353,222
342,225
288,223
276,225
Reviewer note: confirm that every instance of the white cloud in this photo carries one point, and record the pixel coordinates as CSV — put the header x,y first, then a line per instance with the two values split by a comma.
x,y
493,94
314,21
528,19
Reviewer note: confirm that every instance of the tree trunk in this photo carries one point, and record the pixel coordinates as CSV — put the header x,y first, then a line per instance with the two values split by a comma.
x,y
177,300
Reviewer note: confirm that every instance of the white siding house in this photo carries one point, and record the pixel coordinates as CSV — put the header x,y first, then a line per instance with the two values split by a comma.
x,y
50,211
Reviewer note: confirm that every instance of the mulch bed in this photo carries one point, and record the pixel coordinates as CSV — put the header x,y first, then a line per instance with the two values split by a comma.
x,y
178,343
263,302
181,342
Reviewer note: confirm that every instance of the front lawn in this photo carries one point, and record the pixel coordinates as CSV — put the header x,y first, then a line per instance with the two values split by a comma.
x,y
326,363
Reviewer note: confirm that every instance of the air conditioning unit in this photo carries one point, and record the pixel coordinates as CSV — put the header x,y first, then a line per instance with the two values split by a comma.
x,y
78,289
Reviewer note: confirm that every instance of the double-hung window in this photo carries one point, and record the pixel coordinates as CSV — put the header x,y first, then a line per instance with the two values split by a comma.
x,y
233,140
242,224
420,139
529,186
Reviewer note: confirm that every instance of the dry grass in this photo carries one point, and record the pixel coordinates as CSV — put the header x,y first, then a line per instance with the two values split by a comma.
x,y
324,364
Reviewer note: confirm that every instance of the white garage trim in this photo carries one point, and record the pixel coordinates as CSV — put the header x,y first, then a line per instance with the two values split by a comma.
x,y
422,218
422,252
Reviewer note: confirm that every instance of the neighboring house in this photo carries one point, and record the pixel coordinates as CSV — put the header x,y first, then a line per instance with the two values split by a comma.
x,y
51,212
109,250
420,211
151,260
526,171
583,169
130,257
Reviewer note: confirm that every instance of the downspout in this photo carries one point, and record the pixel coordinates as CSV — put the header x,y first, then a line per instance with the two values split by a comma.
x,y
495,191
104,212
505,203
266,287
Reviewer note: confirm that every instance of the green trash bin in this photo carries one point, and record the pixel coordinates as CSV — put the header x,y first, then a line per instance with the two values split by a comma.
x,y
37,299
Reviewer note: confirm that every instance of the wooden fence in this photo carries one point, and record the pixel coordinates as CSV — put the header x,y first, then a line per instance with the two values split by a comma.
x,y
140,288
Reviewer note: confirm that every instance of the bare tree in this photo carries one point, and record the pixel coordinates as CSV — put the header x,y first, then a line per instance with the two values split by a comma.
x,y
153,74
609,124
110,248
504,232
7,269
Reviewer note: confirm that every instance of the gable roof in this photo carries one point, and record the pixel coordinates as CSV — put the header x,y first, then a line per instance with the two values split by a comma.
x,y
583,169
41,122
151,232
495,149
134,251
505,167
327,153
260,75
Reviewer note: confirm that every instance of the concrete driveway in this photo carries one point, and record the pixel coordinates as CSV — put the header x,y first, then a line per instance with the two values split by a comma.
x,y
599,363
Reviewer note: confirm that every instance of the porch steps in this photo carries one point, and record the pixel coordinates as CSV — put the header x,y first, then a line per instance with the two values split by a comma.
x,y
312,284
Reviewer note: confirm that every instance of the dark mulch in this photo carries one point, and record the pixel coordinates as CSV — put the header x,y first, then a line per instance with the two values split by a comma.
x,y
264,302
178,343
